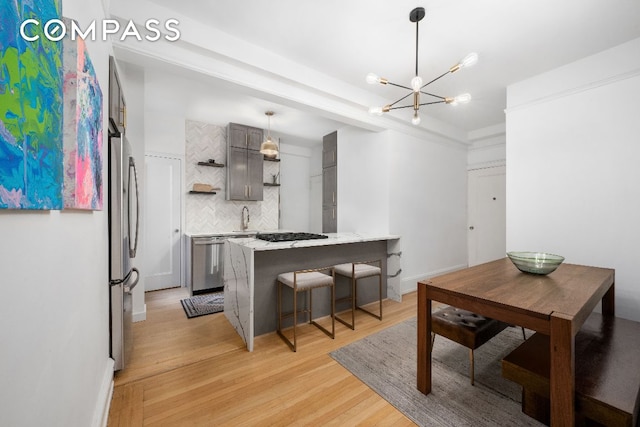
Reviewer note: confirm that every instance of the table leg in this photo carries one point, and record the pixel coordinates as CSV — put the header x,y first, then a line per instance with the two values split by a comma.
x,y
562,375
608,301
424,340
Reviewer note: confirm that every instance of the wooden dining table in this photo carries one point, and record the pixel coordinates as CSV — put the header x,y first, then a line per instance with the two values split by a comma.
x,y
556,305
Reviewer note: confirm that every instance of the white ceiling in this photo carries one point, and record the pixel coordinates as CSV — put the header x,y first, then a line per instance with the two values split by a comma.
x,y
515,39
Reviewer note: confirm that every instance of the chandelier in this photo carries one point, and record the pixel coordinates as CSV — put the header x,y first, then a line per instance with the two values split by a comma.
x,y
268,147
417,84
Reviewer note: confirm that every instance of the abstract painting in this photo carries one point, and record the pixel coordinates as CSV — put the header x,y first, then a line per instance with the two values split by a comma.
x,y
31,111
82,128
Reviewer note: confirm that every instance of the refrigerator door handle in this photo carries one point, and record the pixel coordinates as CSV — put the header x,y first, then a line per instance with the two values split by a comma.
x,y
129,288
132,167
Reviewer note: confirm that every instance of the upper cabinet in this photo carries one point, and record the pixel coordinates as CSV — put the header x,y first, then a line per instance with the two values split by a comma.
x,y
245,163
117,106
330,183
329,150
241,136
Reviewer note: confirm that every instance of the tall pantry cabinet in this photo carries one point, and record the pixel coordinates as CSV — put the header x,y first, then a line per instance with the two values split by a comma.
x,y
330,183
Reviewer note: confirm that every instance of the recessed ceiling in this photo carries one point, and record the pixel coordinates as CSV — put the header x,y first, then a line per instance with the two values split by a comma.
x,y
347,39
186,93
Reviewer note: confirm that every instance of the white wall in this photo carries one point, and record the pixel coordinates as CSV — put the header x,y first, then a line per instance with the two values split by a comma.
x,y
390,182
488,147
428,206
54,321
363,181
572,166
295,189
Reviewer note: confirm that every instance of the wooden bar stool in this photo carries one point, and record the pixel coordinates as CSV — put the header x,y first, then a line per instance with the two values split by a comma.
x,y
305,281
356,271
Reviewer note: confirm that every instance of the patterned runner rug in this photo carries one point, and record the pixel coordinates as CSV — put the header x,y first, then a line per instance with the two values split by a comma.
x,y
386,362
201,305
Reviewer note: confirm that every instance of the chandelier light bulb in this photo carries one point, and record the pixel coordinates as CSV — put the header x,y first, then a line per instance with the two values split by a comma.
x,y
375,110
416,119
416,83
462,99
469,60
372,78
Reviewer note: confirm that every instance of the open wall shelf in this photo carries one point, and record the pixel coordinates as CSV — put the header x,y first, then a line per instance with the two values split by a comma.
x,y
215,165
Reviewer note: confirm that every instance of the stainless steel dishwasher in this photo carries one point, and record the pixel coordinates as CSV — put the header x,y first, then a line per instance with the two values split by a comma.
x,y
207,261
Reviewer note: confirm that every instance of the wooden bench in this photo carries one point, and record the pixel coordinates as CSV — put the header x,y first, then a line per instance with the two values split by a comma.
x,y
607,373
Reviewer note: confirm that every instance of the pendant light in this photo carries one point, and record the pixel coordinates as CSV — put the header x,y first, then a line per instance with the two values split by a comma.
x,y
417,84
269,148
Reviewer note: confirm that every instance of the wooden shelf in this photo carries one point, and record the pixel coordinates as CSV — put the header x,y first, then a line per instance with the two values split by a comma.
x,y
214,165
202,192
267,159
270,184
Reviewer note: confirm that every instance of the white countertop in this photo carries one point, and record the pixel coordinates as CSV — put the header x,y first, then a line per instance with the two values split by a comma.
x,y
228,233
333,239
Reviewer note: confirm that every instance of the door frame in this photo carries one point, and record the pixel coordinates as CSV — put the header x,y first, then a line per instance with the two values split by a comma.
x,y
492,167
183,243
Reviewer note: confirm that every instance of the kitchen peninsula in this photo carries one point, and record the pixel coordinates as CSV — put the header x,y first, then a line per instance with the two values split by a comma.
x,y
251,267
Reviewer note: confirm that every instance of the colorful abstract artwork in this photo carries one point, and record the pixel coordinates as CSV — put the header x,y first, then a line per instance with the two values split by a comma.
x,y
31,109
82,128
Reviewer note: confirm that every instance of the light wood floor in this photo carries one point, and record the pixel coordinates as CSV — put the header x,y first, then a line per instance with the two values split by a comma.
x,y
197,372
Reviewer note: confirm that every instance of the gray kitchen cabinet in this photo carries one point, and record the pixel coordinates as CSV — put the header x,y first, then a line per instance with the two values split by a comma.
x,y
242,136
330,183
244,163
117,107
329,186
329,221
329,150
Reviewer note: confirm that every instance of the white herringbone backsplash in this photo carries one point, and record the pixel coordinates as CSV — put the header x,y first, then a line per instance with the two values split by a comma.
x,y
212,213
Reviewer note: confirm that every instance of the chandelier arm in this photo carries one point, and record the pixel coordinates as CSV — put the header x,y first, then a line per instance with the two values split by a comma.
x,y
431,103
402,106
412,106
404,97
397,85
431,94
437,78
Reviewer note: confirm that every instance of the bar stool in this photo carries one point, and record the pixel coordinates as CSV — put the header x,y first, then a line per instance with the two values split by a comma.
x,y
356,271
305,281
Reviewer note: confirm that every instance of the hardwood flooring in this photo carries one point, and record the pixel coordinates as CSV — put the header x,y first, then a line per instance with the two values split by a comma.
x,y
197,372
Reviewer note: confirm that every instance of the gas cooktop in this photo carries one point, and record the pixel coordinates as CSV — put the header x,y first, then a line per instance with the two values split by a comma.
x,y
288,237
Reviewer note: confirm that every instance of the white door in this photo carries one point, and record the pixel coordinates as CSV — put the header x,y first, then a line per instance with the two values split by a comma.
x,y
487,233
163,250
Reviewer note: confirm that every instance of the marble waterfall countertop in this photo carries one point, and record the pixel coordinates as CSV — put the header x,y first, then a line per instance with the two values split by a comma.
x,y
249,295
256,244
229,234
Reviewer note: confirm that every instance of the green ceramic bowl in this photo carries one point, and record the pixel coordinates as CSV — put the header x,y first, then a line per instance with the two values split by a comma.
x,y
535,262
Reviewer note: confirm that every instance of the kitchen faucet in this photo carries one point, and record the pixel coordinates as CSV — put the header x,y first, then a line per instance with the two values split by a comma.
x,y
245,225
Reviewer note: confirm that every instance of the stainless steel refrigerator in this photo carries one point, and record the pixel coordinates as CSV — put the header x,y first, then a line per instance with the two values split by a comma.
x,y
124,214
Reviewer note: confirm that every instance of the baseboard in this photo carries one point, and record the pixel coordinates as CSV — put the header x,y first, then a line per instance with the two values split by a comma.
x,y
101,414
140,316
410,284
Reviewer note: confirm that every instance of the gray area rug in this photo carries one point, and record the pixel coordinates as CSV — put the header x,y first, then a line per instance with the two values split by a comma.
x,y
386,361
201,305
